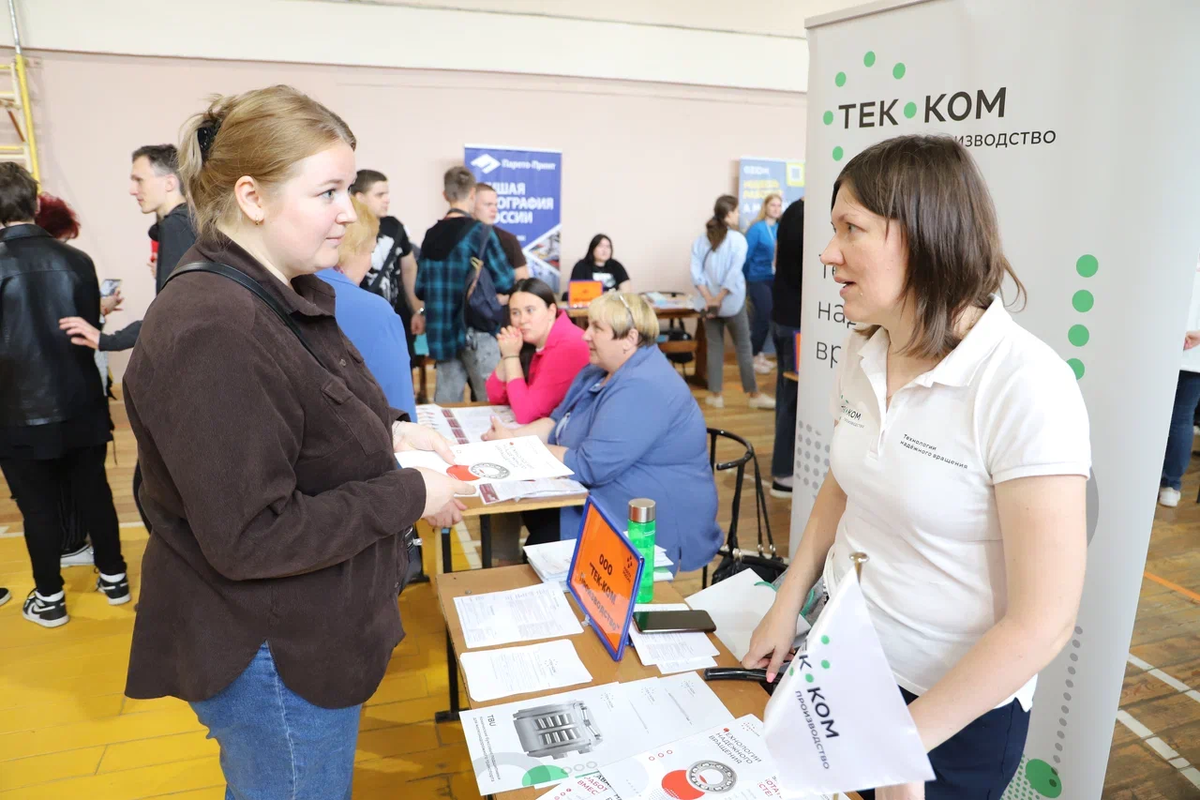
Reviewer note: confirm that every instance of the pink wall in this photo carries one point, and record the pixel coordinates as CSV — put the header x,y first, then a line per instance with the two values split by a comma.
x,y
641,162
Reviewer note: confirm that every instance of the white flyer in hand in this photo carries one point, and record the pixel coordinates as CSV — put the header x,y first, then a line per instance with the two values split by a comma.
x,y
524,458
492,674
518,615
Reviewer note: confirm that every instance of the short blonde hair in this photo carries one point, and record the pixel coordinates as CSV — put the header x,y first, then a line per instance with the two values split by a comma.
x,y
262,133
361,234
622,311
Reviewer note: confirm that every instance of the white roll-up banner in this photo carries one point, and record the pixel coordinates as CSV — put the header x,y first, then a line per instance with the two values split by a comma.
x,y
1084,117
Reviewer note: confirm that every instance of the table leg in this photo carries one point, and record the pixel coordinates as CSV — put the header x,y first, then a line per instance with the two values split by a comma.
x,y
451,661
485,540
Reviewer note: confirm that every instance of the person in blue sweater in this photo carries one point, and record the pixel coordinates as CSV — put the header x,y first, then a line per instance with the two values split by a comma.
x,y
371,324
628,428
759,270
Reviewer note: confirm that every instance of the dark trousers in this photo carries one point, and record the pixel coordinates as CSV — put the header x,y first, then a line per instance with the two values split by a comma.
x,y
38,488
542,525
978,762
783,457
761,301
1179,439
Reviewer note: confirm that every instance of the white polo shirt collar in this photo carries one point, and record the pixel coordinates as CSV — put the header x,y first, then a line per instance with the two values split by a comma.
x,y
956,369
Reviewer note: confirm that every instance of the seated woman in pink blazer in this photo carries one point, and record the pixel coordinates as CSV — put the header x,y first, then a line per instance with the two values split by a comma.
x,y
541,352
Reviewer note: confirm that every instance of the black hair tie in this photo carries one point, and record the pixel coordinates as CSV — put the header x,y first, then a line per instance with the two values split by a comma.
x,y
206,134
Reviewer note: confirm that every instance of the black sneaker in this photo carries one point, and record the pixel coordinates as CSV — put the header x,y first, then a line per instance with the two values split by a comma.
x,y
5,595
117,592
781,491
47,613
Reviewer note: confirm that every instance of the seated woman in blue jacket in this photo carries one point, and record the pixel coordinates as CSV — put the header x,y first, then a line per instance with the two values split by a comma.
x,y
628,428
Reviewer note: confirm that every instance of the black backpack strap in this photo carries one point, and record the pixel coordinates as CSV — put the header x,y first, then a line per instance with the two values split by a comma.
x,y
245,281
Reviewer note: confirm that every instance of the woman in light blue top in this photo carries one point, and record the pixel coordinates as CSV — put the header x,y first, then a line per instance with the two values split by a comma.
x,y
717,259
628,428
760,276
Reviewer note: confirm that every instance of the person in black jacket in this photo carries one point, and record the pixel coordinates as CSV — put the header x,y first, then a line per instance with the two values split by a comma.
x,y
54,419
154,183
785,324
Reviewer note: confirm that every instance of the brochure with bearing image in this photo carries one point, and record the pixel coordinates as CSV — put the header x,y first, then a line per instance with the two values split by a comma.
x,y
571,735
728,761
524,458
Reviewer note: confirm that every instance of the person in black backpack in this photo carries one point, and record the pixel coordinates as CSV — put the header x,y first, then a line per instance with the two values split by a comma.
x,y
393,272
462,267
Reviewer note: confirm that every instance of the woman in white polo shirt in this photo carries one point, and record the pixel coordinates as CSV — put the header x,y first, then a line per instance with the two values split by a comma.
x,y
958,464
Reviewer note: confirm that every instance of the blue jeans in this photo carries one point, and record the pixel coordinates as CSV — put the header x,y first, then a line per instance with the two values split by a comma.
x,y
978,762
761,298
1179,439
783,456
275,744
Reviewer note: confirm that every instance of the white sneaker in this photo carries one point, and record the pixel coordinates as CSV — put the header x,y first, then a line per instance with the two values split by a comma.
x,y
763,401
1168,497
715,400
83,557
762,366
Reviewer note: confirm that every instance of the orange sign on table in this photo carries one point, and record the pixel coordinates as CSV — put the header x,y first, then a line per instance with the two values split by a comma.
x,y
604,578
580,294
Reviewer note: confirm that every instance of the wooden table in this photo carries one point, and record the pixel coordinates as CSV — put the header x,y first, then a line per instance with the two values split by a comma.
x,y
698,346
739,697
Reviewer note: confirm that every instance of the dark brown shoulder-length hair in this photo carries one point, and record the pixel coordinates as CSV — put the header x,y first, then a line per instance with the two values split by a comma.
x,y
932,188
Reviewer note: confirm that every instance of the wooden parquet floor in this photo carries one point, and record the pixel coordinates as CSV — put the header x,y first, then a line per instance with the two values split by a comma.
x,y
68,733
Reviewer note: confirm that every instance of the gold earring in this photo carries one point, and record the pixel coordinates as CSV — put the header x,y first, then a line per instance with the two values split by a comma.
x,y
258,221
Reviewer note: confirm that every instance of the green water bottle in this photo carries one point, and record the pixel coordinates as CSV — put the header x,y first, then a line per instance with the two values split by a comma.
x,y
641,534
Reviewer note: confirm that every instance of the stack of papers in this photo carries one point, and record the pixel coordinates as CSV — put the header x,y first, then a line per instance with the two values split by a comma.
x,y
518,615
552,562
503,491
672,652
524,458
463,425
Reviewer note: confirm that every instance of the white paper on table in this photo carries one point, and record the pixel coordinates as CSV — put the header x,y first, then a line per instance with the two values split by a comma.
x,y
519,459
503,491
737,604
492,674
463,425
672,667
730,761
613,722
654,649
593,787
517,615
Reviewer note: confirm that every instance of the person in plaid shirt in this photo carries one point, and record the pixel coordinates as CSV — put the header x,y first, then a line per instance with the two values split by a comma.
x,y
461,353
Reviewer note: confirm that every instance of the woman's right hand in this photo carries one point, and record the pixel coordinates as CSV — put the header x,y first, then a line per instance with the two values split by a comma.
x,y
441,508
772,639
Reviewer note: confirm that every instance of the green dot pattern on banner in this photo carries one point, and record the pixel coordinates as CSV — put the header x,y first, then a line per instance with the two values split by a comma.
x,y
828,118
1076,365
898,71
1087,265
824,640
809,678
1078,335
1083,301
838,153
824,665
869,58
1043,778
840,79
910,110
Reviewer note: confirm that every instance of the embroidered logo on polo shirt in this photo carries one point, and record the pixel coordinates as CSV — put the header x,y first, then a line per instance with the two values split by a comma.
x,y
928,450
851,415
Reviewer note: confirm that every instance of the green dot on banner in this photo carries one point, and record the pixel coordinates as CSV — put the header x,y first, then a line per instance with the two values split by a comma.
x,y
840,79
828,118
1077,366
869,58
838,153
809,678
824,640
1083,301
898,71
1078,335
1043,778
910,110
825,665
1087,265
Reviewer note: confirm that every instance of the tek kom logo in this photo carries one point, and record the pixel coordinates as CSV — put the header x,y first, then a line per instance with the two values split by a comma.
x,y
485,163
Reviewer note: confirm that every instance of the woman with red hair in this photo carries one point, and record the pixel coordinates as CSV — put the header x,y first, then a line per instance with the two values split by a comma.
x,y
56,218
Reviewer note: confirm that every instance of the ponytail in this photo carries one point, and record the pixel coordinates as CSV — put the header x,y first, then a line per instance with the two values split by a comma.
x,y
716,227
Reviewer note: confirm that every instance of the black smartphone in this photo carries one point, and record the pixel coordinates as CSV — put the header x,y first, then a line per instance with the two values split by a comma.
x,y
673,621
